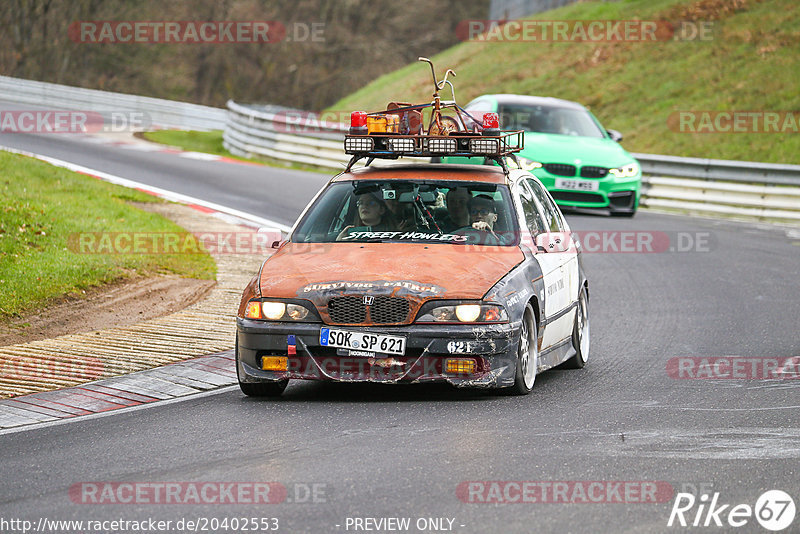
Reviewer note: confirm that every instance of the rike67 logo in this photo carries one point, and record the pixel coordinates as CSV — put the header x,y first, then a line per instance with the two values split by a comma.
x,y
774,510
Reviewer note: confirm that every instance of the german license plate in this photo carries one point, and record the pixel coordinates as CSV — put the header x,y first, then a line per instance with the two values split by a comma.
x,y
362,341
577,185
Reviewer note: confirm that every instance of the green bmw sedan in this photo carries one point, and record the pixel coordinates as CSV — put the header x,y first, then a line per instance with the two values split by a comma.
x,y
580,162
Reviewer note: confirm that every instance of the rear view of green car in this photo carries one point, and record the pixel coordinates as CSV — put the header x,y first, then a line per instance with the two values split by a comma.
x,y
578,161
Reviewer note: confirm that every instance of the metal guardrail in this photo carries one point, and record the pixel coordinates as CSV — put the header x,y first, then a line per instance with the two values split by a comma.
x,y
721,187
760,190
158,112
273,132
720,169
266,131
761,201
718,187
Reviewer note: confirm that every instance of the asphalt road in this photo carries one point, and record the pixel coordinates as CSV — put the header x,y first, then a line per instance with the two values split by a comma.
x,y
402,451
258,190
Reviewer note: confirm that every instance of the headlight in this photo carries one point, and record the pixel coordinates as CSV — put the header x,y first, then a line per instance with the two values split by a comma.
x,y
468,313
524,163
463,313
296,312
273,310
277,311
626,171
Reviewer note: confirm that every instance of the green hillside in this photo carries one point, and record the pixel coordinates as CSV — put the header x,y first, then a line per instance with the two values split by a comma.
x,y
751,63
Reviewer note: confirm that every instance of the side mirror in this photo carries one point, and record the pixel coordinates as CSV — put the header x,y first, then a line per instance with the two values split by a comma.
x,y
555,242
615,135
270,236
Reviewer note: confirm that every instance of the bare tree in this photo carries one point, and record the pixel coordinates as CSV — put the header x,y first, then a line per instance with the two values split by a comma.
x,y
357,41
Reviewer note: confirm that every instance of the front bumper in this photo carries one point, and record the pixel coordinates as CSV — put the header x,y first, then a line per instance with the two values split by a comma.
x,y
493,347
618,195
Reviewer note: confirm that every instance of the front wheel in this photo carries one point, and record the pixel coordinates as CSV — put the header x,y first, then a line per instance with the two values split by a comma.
x,y
580,334
527,355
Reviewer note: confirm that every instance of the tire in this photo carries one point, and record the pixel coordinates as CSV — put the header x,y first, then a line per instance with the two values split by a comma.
x,y
259,389
580,334
265,389
527,355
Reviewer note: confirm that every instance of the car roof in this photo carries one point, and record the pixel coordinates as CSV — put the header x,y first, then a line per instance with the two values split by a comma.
x,y
430,171
506,98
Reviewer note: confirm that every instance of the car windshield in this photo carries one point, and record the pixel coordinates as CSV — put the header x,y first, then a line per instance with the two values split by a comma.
x,y
451,213
549,119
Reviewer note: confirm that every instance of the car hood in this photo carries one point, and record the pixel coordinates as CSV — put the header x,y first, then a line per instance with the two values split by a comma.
x,y
418,271
555,148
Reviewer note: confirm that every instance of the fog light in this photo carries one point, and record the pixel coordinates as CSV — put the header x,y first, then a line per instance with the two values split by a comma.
x,y
460,366
484,146
402,145
274,363
442,145
358,144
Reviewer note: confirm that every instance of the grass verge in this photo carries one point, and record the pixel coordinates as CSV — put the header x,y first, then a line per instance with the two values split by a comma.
x,y
211,143
45,209
749,64
193,141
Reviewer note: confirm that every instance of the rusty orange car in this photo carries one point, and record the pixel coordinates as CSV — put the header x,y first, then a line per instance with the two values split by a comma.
x,y
418,273
463,274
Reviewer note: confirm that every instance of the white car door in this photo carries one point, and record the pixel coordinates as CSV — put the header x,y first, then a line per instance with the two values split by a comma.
x,y
550,263
561,283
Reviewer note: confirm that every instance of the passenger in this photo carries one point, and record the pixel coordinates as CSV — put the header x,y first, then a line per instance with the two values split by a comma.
x,y
404,213
457,215
371,217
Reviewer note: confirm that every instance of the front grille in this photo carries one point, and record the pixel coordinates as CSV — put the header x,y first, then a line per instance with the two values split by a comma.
x,y
560,169
594,172
384,310
388,310
571,196
347,310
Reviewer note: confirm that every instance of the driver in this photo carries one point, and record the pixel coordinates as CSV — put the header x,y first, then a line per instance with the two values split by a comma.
x,y
482,213
482,216
562,125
